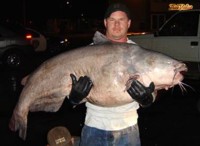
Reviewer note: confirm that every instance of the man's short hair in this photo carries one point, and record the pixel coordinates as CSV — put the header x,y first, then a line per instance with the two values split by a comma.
x,y
117,7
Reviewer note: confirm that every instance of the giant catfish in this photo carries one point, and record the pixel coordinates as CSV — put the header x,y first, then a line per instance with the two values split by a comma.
x,y
111,66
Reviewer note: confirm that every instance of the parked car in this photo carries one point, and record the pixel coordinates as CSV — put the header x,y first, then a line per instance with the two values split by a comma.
x,y
52,44
38,40
14,44
57,44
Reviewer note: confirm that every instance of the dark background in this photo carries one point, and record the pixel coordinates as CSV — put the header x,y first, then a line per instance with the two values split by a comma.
x,y
37,9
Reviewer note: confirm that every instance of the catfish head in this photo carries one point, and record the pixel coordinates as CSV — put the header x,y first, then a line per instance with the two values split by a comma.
x,y
164,71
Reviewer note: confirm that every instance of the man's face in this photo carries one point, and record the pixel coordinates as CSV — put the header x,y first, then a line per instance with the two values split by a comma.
x,y
117,25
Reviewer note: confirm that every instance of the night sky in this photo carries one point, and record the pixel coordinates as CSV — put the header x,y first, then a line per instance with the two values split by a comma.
x,y
52,8
36,13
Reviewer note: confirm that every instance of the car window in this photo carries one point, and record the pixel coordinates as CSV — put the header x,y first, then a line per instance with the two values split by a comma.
x,y
183,24
9,29
4,32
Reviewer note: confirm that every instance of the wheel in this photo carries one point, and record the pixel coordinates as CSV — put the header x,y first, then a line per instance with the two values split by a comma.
x,y
13,59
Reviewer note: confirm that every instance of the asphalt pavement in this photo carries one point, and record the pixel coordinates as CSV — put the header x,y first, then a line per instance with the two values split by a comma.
x,y
173,120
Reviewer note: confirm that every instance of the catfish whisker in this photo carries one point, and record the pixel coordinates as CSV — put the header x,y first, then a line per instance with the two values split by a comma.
x,y
184,84
182,87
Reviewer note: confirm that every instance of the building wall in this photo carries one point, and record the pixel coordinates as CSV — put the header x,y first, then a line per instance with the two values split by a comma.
x,y
149,15
159,10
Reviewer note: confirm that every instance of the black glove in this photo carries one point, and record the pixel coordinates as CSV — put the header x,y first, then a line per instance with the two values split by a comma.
x,y
80,89
141,94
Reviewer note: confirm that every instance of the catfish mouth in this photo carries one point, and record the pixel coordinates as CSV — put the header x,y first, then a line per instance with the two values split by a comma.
x,y
179,72
181,68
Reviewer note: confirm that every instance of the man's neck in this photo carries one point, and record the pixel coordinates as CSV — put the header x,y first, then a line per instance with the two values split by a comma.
x,y
121,40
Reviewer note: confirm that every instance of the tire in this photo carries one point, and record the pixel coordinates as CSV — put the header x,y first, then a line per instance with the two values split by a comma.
x,y
13,59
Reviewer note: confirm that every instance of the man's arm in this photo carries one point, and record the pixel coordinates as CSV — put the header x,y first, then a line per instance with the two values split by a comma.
x,y
143,95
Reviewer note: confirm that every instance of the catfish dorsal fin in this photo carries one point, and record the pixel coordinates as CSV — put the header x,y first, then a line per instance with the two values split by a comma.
x,y
99,38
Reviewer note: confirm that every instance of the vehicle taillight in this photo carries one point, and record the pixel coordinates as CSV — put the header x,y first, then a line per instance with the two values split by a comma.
x,y
28,36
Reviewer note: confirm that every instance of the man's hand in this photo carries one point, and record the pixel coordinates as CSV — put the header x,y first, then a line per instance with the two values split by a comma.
x,y
80,89
141,94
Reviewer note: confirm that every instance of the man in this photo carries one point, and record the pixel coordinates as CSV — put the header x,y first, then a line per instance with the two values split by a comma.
x,y
112,126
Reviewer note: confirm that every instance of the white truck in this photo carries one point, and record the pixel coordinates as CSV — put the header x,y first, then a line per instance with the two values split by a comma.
x,y
178,37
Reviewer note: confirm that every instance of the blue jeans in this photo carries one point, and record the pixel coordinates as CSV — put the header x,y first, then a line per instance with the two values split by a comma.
x,y
95,137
